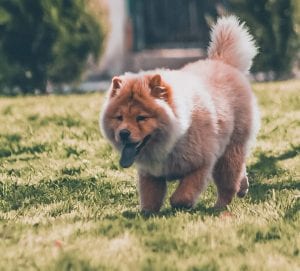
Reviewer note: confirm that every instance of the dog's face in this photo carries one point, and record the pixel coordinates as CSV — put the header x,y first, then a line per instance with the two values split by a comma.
x,y
133,118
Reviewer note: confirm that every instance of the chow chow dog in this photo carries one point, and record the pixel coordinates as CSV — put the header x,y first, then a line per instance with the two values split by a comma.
x,y
190,124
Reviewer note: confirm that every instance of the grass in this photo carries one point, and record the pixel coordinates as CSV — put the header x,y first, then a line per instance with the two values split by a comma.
x,y
66,205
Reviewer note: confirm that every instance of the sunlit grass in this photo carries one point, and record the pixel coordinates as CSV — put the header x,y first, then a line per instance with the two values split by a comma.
x,y
65,203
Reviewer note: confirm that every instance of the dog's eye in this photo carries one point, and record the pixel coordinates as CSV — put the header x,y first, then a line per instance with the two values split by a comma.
x,y
140,118
119,118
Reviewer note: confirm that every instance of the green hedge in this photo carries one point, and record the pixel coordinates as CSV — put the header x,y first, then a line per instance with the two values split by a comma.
x,y
274,25
45,40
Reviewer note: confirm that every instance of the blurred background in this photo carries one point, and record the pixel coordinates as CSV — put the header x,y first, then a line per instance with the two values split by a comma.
x,y
61,45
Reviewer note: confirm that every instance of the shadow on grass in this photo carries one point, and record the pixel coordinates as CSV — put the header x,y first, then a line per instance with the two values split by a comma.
x,y
261,191
101,193
267,167
292,212
70,189
10,144
71,261
200,209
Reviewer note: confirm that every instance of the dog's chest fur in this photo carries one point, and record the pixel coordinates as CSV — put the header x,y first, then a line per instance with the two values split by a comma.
x,y
189,153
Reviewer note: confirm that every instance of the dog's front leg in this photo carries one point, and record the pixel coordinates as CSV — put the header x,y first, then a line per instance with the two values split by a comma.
x,y
152,192
189,188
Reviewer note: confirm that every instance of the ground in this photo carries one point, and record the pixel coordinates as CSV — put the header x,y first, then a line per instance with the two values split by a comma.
x,y
66,205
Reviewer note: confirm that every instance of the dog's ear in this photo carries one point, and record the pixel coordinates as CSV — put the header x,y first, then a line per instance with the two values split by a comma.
x,y
116,83
157,89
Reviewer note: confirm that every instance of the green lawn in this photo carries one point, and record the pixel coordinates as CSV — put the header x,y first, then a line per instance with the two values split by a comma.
x,y
66,205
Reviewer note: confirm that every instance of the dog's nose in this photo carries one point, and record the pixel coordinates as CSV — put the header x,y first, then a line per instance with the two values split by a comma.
x,y
124,134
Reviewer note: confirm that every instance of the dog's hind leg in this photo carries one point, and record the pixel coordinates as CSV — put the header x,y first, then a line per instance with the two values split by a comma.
x,y
230,174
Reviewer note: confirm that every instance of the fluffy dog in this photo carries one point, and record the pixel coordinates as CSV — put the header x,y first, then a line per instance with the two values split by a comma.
x,y
189,124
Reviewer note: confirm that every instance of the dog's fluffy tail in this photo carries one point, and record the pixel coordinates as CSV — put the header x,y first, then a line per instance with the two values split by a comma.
x,y
232,43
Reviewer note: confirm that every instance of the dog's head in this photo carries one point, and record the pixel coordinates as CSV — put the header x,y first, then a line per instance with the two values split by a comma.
x,y
136,114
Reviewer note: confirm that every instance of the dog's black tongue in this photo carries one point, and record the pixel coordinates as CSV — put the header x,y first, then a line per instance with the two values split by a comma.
x,y
127,155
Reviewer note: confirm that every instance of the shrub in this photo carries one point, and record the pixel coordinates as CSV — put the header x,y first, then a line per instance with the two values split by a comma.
x,y
42,41
273,23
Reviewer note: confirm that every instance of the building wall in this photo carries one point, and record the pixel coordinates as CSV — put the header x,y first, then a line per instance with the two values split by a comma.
x,y
112,61
143,37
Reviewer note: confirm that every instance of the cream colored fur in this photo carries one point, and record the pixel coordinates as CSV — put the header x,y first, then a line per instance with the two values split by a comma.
x,y
213,120
232,43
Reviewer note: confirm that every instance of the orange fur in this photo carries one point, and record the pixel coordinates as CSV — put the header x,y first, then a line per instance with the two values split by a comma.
x,y
187,125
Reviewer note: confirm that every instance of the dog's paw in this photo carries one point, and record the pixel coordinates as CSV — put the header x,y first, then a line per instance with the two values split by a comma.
x,y
182,201
149,209
243,188
148,213
223,200
220,205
